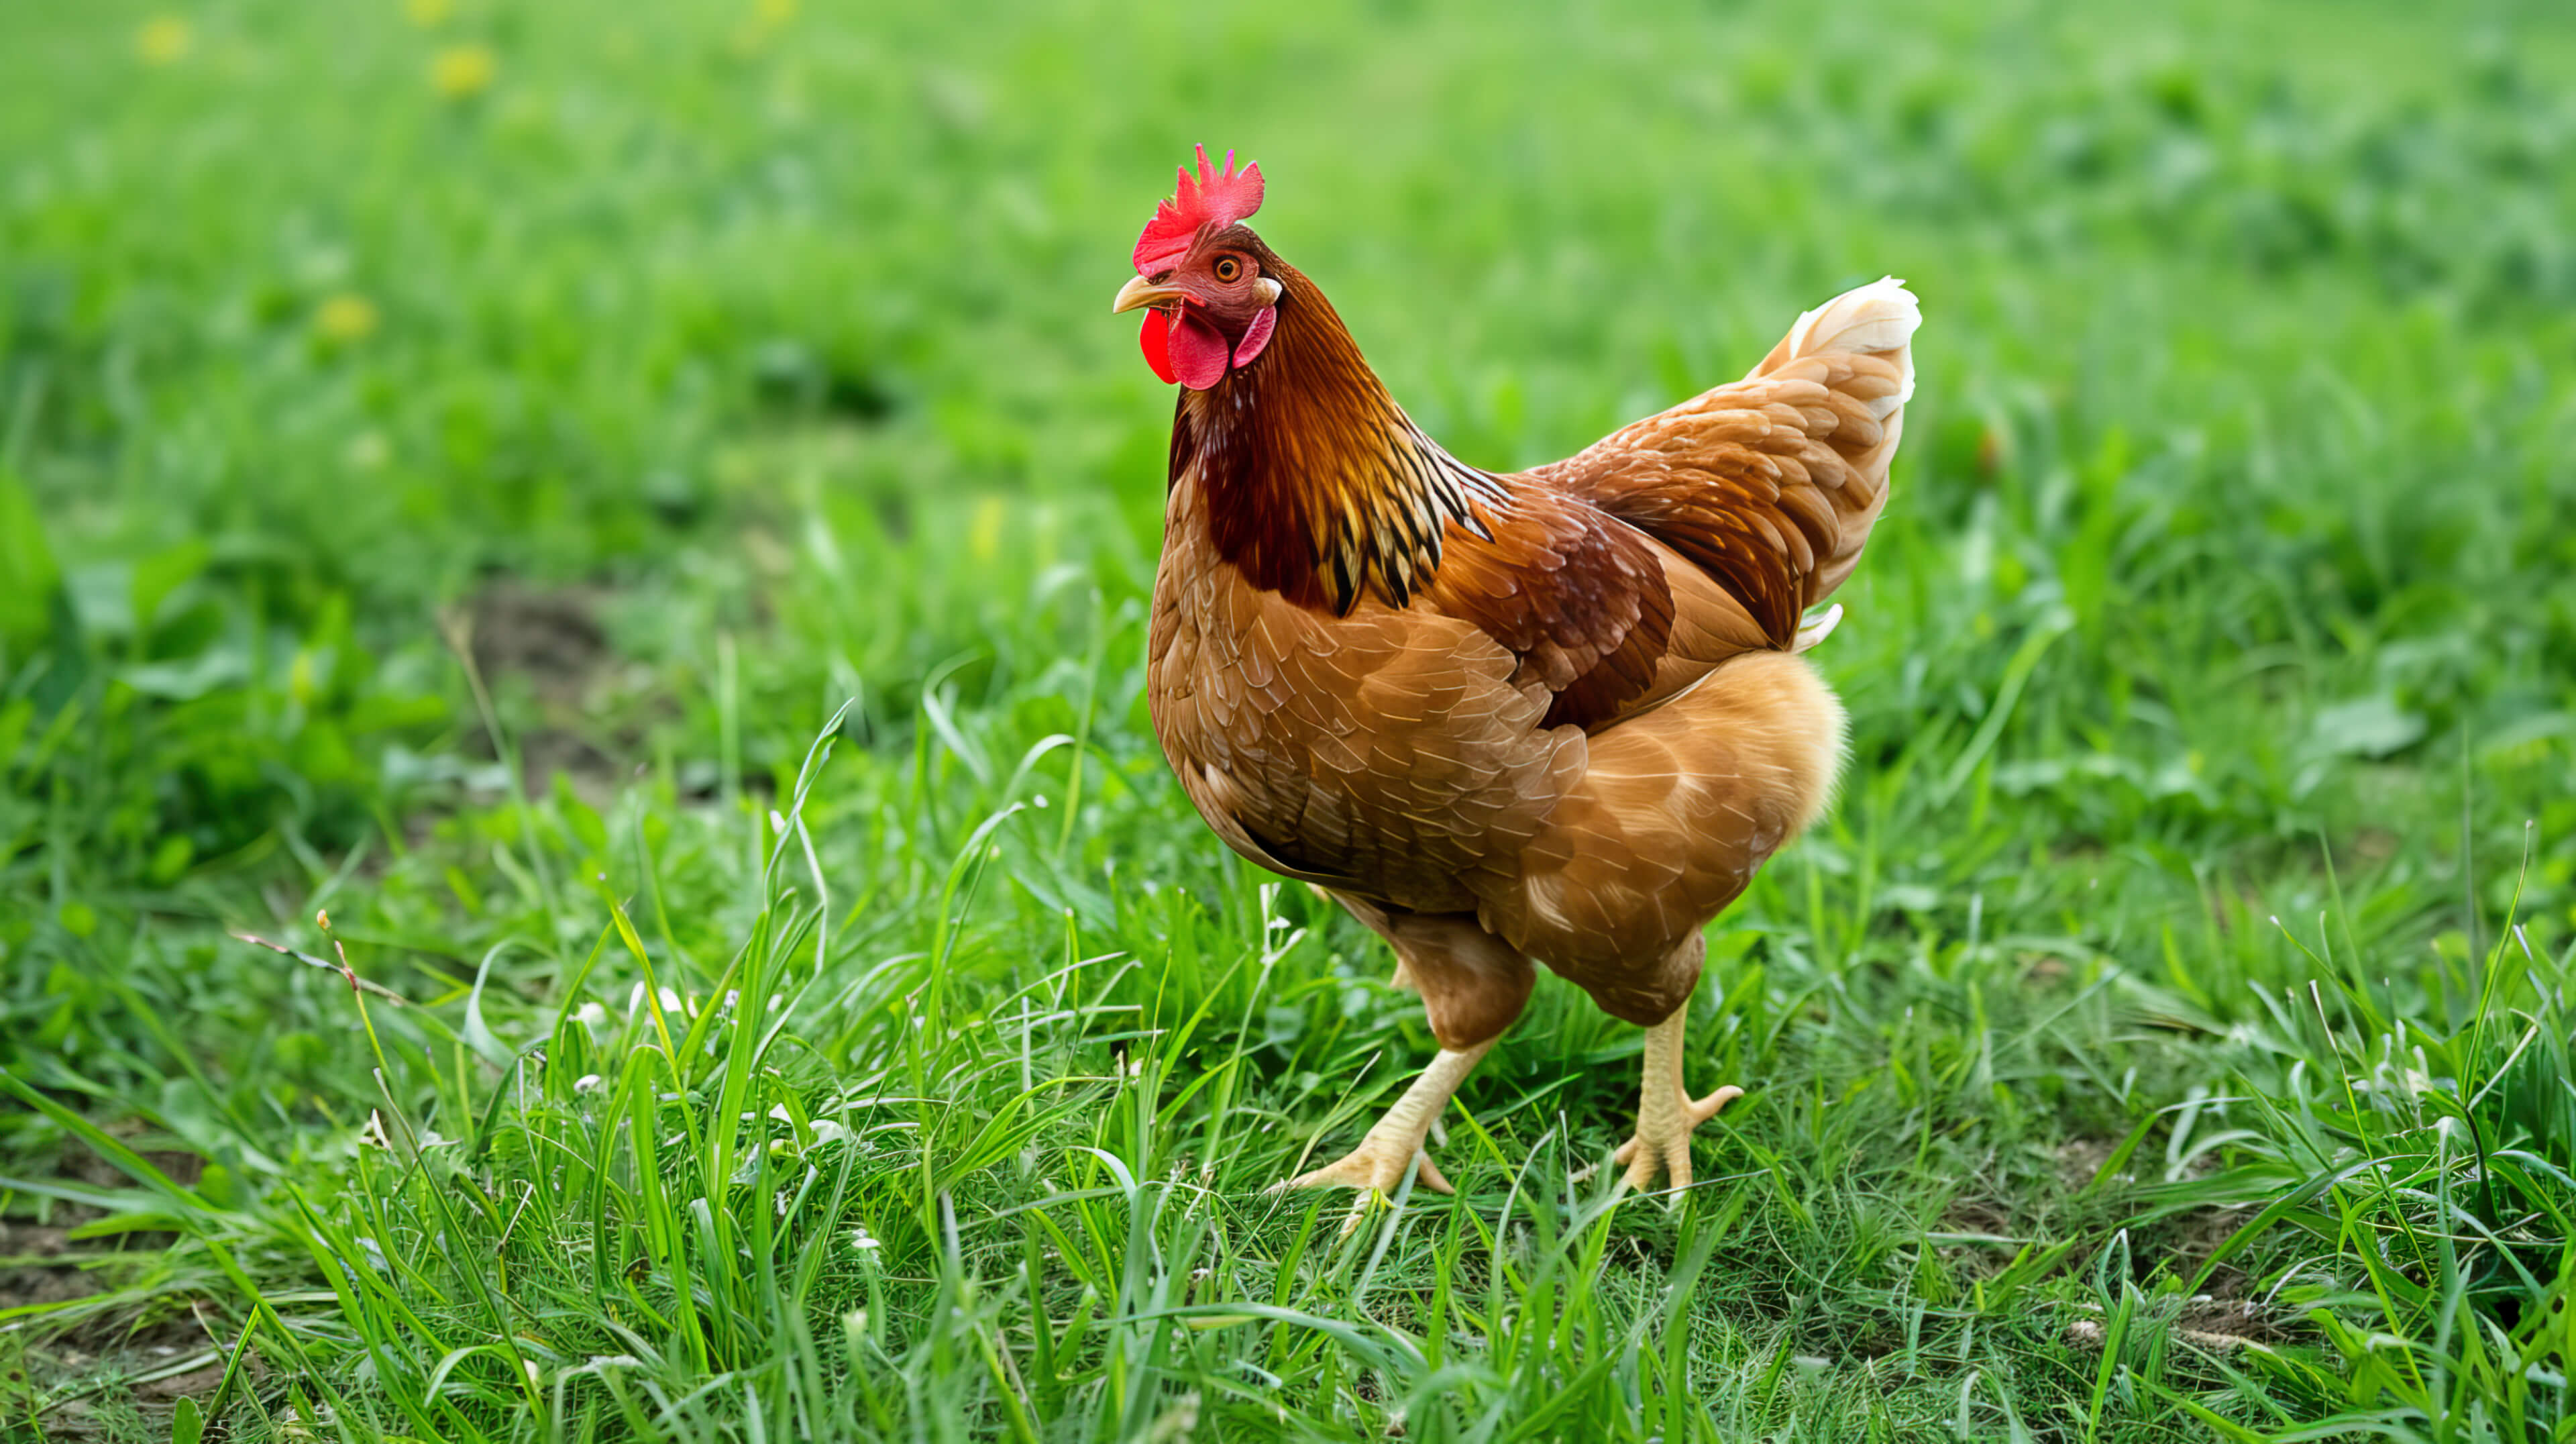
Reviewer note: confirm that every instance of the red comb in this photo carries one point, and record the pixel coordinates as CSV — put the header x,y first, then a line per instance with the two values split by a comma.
x,y
1216,198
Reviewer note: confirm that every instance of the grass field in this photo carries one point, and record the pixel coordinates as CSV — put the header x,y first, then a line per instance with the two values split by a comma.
x,y
641,515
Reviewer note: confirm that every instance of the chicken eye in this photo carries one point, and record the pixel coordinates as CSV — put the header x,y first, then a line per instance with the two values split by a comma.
x,y
1228,269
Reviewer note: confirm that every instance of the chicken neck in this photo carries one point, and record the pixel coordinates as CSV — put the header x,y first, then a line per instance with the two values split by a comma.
x,y
1318,486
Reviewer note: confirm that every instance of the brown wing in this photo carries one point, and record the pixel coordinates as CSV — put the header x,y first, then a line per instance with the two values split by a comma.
x,y
1770,485
1579,597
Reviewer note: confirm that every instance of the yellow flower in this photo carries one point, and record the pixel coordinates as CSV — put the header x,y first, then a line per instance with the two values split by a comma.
x,y
163,39
768,17
462,70
345,318
984,533
429,14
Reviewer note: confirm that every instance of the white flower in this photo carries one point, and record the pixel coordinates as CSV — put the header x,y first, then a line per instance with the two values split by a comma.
x,y
635,999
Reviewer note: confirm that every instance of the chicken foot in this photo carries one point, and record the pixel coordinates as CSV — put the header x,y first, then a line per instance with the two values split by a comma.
x,y
1666,1113
1377,1166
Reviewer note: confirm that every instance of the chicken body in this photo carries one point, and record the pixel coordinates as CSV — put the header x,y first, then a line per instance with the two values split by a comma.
x,y
1554,715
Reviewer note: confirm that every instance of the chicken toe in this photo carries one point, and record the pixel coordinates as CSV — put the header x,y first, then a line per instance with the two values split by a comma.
x,y
1378,1165
1666,1113
1374,1167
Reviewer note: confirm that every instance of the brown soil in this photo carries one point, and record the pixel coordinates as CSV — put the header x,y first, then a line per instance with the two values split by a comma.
x,y
550,641
551,636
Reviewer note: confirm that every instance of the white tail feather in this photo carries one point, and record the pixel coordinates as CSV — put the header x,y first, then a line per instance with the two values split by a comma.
x,y
1878,319
1817,626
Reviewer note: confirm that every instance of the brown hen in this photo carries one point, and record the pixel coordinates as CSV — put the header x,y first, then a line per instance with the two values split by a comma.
x,y
1555,714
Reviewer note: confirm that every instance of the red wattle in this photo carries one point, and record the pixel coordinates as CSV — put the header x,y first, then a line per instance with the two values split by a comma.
x,y
1255,336
1156,339
1198,352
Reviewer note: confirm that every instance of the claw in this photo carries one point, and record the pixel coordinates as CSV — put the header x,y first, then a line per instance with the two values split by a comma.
x,y
1670,1152
1377,1167
1430,1177
1371,1168
1714,1104
1375,1172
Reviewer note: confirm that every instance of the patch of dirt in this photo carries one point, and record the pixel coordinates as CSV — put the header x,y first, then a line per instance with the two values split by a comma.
x,y
183,1169
551,641
2190,1238
1990,1231
2204,1320
551,636
126,1393
24,1242
29,1273
104,1373
2178,1243
2041,970
2228,1322
80,1164
595,774
1977,1215
40,1264
40,1261
2081,1160
1989,1237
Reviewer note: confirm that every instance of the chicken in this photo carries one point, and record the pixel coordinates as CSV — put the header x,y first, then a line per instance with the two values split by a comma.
x,y
1556,714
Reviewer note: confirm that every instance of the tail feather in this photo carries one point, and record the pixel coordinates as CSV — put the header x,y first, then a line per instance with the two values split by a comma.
x,y
1878,322
1878,319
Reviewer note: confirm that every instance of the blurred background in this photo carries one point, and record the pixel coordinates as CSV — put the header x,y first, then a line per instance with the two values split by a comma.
x,y
449,448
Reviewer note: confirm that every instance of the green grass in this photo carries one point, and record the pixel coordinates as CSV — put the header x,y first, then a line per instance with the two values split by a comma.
x,y
655,546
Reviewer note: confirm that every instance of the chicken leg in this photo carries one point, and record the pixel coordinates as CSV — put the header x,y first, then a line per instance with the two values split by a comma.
x,y
1473,984
1666,1113
1378,1164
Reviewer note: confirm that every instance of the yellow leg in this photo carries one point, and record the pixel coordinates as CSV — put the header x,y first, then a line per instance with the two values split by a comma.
x,y
1666,1113
1378,1164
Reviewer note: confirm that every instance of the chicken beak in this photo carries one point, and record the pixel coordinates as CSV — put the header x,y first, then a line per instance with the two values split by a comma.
x,y
1141,292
